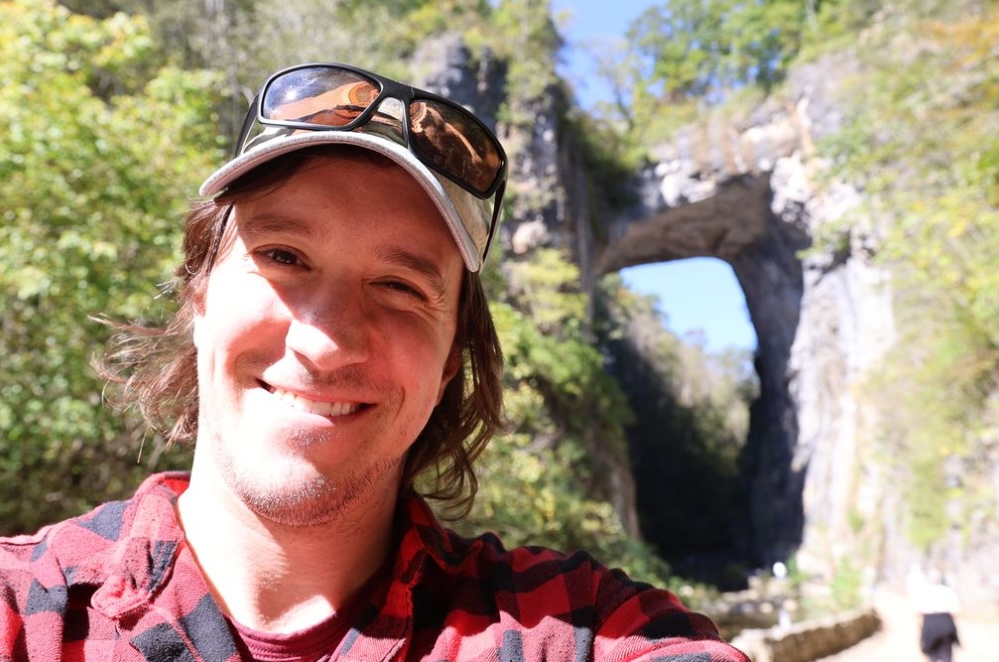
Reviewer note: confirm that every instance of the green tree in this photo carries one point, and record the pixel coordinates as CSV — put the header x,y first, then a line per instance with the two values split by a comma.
x,y
696,48
525,35
94,177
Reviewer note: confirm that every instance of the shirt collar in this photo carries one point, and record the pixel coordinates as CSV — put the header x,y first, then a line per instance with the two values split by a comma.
x,y
149,536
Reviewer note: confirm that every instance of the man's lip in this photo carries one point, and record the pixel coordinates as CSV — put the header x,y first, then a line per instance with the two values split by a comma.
x,y
322,407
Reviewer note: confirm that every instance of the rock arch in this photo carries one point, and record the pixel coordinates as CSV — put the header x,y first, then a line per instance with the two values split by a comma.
x,y
742,189
734,220
745,192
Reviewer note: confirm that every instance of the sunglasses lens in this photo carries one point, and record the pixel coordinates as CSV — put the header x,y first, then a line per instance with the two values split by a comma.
x,y
319,95
450,139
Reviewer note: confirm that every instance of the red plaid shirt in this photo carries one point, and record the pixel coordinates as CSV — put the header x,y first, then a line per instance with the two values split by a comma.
x,y
119,584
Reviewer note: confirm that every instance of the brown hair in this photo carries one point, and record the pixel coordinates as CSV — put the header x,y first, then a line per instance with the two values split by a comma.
x,y
155,367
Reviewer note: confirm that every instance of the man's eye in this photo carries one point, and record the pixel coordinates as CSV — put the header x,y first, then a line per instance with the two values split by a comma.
x,y
403,288
281,256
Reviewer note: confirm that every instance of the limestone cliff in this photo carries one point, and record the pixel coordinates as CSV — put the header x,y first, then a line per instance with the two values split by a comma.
x,y
748,191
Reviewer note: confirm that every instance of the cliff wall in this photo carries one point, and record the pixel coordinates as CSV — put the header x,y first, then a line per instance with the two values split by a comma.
x,y
752,191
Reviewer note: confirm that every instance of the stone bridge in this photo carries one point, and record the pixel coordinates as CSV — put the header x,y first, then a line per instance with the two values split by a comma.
x,y
742,197
744,190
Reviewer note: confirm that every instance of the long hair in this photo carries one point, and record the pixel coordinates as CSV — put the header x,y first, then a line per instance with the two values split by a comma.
x,y
154,367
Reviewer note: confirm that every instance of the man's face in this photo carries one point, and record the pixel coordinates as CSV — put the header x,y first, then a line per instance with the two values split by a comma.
x,y
325,339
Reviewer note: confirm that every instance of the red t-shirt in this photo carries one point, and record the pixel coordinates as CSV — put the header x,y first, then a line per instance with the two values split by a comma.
x,y
313,644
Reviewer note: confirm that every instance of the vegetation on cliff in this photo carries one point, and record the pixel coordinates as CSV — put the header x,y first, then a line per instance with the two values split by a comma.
x,y
922,143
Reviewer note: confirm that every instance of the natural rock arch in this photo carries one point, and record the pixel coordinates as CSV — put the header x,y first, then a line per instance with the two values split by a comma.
x,y
746,192
743,190
735,222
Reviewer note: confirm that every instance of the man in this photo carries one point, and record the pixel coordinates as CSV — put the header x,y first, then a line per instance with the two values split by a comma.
x,y
332,343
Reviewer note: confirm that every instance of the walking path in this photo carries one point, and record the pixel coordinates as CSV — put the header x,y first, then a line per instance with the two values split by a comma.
x,y
898,640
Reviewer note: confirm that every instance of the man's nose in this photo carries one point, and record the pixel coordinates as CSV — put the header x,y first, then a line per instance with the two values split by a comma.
x,y
330,332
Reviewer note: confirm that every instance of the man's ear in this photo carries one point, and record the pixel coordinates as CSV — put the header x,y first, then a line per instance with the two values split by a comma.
x,y
198,313
451,368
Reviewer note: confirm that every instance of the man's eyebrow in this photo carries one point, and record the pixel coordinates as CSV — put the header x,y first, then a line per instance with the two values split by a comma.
x,y
265,224
413,262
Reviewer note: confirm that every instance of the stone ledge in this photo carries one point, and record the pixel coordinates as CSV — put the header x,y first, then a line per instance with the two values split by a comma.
x,y
809,640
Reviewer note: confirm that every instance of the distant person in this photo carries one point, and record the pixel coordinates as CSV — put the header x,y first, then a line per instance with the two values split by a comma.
x,y
938,604
332,344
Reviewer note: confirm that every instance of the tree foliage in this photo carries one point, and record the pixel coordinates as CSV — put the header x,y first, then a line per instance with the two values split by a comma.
x,y
526,35
704,49
99,152
694,48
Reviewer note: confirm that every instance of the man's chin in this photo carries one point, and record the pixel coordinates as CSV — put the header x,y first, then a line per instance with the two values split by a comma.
x,y
294,501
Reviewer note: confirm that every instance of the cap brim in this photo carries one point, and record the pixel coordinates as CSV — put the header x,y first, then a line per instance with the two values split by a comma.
x,y
445,194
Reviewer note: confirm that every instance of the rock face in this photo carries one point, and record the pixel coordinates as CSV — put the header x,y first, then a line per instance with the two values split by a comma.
x,y
445,66
746,192
755,192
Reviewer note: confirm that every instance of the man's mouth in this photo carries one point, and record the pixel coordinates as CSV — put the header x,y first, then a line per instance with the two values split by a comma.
x,y
321,408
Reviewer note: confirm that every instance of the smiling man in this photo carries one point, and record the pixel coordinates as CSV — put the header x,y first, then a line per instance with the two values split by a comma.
x,y
332,344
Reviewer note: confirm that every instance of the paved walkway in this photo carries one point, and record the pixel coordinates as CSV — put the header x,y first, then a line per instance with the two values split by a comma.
x,y
898,640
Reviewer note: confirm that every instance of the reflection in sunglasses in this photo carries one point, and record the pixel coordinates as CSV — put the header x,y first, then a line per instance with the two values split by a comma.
x,y
449,147
352,96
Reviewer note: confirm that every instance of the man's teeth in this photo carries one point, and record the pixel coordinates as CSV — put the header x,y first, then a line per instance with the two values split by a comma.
x,y
321,408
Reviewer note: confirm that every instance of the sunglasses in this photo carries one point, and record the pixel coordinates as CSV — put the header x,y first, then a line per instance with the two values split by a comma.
x,y
440,133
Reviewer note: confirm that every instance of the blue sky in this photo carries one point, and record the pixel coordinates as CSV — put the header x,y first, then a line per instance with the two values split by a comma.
x,y
698,296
